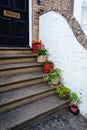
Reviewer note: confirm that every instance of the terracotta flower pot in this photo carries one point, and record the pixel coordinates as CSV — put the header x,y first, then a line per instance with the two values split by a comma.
x,y
36,46
47,67
74,108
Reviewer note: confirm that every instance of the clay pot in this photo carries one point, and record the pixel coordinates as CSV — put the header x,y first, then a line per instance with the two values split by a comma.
x,y
74,108
35,47
47,68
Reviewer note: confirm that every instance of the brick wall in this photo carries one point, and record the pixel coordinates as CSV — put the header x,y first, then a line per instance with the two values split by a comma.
x,y
65,7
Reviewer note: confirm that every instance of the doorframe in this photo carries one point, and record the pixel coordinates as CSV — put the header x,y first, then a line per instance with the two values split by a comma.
x,y
30,23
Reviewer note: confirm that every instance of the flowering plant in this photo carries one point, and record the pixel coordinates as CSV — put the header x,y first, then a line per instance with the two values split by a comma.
x,y
36,41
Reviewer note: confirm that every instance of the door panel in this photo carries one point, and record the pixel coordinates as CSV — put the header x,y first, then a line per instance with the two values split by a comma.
x,y
14,30
5,27
4,3
20,29
20,7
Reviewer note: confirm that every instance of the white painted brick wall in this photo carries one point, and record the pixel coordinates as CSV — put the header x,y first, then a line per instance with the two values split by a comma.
x,y
66,52
78,9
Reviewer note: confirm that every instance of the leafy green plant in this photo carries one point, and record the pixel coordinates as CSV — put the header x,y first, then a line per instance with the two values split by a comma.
x,y
41,52
74,98
53,77
48,62
63,91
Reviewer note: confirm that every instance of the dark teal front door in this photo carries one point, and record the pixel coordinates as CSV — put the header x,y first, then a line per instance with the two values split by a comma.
x,y
14,23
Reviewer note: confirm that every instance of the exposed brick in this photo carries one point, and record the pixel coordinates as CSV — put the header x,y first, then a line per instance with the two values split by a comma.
x,y
65,7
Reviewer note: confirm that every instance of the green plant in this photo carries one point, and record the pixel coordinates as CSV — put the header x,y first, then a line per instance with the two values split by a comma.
x,y
53,77
48,62
74,98
37,43
41,52
63,91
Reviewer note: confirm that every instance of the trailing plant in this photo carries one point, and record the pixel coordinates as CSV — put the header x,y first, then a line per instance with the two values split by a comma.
x,y
74,101
74,98
53,76
63,91
41,52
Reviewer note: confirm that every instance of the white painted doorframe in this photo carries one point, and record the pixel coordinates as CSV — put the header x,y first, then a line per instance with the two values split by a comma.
x,y
30,23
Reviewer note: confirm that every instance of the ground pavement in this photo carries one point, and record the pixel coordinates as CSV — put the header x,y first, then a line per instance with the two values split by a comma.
x,y
62,120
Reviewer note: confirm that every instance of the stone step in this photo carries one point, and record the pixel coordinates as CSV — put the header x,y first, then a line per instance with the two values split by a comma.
x,y
27,91
17,98
20,84
18,65
29,112
17,81
11,50
16,55
19,68
16,58
19,78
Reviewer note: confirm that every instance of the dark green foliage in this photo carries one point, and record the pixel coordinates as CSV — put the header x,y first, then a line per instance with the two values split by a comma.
x,y
48,62
74,98
41,52
53,77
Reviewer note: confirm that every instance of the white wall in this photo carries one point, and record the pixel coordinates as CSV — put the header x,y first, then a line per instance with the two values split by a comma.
x,y
78,10
80,13
66,52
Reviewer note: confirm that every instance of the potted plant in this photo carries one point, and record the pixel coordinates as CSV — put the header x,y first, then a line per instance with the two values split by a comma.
x,y
47,66
53,77
74,103
36,44
63,92
41,55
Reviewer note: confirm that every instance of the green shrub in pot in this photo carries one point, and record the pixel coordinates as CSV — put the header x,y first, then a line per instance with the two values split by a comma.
x,y
63,92
41,52
41,55
74,103
53,77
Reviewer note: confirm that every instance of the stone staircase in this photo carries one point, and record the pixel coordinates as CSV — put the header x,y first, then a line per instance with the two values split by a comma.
x,y
24,96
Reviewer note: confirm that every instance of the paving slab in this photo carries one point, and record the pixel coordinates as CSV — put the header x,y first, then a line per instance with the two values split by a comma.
x,y
62,120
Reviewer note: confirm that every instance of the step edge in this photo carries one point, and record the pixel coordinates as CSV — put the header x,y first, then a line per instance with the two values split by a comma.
x,y
41,115
37,93
14,48
20,67
17,56
25,97
21,80
6,88
16,104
